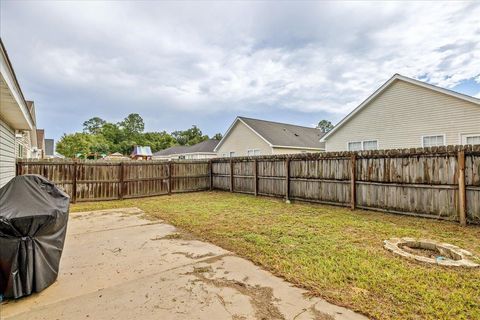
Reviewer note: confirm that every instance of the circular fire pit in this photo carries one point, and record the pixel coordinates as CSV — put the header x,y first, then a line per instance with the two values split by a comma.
x,y
428,251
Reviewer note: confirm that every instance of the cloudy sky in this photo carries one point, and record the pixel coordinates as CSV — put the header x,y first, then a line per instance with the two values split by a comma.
x,y
202,63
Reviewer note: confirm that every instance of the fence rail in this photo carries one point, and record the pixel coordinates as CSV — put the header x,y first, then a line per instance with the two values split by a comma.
x,y
93,181
439,182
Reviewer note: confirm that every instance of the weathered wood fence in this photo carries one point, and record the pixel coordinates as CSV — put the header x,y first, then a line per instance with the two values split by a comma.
x,y
442,182
439,182
101,180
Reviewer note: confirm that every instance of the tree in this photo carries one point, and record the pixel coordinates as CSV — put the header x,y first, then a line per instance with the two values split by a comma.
x,y
93,125
133,124
157,140
70,145
325,126
114,136
217,136
190,136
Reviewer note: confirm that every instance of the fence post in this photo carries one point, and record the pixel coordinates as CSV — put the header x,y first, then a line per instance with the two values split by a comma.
x,y
255,177
231,175
170,182
210,172
287,180
120,181
74,182
462,203
353,191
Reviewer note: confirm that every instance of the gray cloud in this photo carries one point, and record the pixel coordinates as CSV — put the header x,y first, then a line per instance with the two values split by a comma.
x,y
183,63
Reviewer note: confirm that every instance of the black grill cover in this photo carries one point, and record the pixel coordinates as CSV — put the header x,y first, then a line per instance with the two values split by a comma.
x,y
33,224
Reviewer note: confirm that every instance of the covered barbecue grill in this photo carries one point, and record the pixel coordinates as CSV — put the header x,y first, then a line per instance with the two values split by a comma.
x,y
33,224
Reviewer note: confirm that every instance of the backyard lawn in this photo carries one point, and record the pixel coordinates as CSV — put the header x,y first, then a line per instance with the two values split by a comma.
x,y
335,253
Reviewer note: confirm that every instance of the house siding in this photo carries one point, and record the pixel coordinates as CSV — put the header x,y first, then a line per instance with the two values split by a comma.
x,y
188,156
292,150
25,141
240,139
7,153
403,113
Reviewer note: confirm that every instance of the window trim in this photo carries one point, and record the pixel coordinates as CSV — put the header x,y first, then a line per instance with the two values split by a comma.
x,y
464,136
253,150
348,145
371,140
362,142
434,135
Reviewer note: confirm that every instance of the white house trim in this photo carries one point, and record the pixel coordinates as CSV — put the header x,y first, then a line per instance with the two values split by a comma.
x,y
9,78
296,147
434,135
385,86
462,137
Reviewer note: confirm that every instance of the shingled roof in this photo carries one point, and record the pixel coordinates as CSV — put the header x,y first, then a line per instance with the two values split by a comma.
x,y
279,134
206,146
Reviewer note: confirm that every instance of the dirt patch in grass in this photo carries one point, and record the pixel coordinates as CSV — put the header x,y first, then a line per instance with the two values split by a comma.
x,y
429,253
333,252
177,236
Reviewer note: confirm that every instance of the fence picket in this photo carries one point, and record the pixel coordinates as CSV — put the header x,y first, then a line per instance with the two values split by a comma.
x,y
440,182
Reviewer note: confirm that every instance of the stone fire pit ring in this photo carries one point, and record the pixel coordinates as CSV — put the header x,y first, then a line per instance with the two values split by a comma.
x,y
446,254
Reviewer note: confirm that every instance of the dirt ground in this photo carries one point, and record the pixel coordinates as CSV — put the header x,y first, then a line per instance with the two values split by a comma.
x,y
117,265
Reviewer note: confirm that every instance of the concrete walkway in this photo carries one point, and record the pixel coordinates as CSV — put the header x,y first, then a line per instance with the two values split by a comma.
x,y
117,265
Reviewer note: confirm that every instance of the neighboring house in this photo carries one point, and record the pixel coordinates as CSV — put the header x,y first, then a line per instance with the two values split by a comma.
x,y
253,137
15,117
41,143
49,148
141,153
407,113
50,153
26,140
116,156
202,150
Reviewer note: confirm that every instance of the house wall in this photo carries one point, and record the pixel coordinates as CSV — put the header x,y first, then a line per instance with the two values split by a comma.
x,y
186,156
198,156
403,113
240,140
292,150
7,153
26,145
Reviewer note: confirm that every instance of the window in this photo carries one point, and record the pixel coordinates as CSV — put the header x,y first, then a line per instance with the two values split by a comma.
x,y
471,139
224,154
20,151
370,145
232,154
253,152
433,141
355,146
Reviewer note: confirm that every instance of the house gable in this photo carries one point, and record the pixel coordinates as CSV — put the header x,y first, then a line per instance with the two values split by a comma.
x,y
401,112
239,139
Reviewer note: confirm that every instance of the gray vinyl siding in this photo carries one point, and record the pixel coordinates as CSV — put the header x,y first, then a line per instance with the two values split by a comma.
x,y
7,153
403,113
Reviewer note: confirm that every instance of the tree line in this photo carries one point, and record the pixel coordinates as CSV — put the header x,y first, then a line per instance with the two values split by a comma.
x,y
102,137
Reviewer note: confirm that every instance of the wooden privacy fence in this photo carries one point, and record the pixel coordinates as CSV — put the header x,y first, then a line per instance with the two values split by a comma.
x,y
438,182
101,180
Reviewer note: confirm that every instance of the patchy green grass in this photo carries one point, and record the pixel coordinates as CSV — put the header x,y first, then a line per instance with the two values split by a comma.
x,y
333,252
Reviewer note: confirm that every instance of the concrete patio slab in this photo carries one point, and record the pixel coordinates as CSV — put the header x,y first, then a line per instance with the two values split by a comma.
x,y
117,265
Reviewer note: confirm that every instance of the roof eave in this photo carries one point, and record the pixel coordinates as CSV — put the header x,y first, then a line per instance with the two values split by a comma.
x,y
14,87
385,86
230,129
